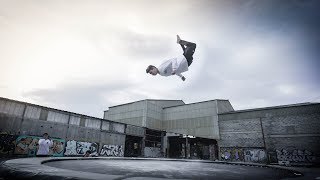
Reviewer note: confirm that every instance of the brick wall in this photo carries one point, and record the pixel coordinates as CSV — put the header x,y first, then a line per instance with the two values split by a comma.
x,y
289,133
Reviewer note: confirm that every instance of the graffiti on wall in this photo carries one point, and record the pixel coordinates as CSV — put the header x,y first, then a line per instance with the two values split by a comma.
x,y
112,150
255,155
28,145
7,143
296,156
232,154
57,147
79,148
243,154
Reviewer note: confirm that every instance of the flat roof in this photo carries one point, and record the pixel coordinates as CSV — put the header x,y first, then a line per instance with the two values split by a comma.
x,y
198,102
143,100
271,107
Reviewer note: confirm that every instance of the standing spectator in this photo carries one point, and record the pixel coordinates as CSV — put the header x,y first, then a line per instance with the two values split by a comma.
x,y
44,145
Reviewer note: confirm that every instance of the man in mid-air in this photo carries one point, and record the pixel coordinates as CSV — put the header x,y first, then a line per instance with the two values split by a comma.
x,y
177,65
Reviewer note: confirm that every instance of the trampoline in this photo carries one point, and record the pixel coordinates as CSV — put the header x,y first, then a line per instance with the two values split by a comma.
x,y
137,168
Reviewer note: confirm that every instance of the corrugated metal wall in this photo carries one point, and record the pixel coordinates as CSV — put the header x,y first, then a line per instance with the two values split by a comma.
x,y
135,131
58,117
154,116
167,103
13,108
32,112
132,113
192,119
75,120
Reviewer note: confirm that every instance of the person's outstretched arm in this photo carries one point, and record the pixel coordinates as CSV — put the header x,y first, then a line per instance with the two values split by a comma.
x,y
181,76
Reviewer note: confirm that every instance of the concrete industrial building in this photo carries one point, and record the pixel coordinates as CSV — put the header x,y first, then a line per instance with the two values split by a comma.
x,y
168,128
178,119
213,130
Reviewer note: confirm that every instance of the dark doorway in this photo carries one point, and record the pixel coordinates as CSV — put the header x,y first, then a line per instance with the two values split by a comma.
x,y
176,147
202,148
194,148
153,138
133,146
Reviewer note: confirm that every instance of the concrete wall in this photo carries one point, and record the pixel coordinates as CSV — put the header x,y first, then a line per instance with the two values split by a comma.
x,y
240,132
286,133
135,131
197,119
224,106
80,132
193,119
154,115
146,113
131,113
166,103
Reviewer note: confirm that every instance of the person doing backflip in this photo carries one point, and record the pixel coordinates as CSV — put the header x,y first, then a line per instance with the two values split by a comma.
x,y
177,65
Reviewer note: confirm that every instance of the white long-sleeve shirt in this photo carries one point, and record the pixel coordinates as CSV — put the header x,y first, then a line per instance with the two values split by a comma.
x,y
177,65
44,145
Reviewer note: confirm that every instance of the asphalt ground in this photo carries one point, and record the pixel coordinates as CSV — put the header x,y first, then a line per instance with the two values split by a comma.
x,y
144,168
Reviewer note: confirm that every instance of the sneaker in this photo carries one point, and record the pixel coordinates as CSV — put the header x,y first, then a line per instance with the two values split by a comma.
x,y
178,39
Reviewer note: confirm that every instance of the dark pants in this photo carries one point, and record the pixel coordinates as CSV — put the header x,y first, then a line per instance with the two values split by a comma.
x,y
188,50
43,155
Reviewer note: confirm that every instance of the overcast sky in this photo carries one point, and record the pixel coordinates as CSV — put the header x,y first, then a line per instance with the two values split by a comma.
x,y
84,56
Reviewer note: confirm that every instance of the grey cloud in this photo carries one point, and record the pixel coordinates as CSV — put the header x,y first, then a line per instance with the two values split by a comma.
x,y
80,98
221,78
132,44
244,19
140,45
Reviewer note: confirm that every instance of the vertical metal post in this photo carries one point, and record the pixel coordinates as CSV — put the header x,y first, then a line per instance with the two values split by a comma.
x,y
22,119
263,138
187,150
264,142
68,126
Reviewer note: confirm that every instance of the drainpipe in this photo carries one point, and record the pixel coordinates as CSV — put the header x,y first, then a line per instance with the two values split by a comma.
x,y
185,149
22,119
263,138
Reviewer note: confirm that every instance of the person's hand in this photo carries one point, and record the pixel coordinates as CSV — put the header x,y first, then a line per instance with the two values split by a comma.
x,y
183,78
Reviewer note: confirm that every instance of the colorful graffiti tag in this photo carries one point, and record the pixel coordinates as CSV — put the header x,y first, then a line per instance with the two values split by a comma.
x,y
7,144
295,156
232,154
243,154
28,145
112,150
74,148
255,155
57,147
